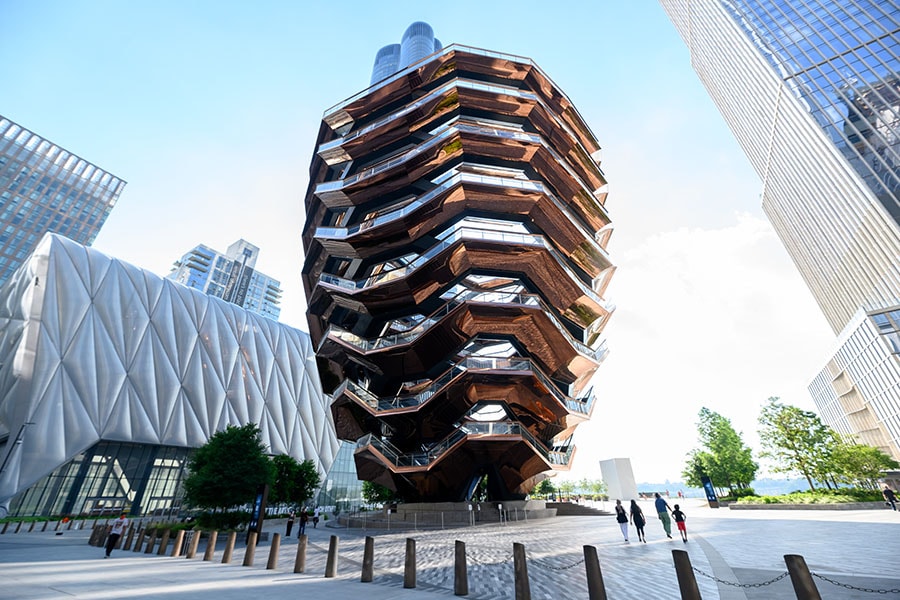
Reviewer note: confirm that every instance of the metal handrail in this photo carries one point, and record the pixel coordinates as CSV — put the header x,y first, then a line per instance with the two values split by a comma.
x,y
580,405
455,233
344,118
410,335
427,457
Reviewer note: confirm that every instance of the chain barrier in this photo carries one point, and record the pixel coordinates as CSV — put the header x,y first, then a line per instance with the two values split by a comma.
x,y
853,587
543,563
741,585
471,555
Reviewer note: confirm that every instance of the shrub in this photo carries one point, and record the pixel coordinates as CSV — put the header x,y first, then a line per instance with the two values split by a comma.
x,y
838,496
222,521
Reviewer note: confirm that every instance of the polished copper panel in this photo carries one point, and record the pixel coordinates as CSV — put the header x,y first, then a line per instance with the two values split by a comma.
x,y
455,268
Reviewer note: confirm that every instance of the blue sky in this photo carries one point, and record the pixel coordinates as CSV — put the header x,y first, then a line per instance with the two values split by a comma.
x,y
209,109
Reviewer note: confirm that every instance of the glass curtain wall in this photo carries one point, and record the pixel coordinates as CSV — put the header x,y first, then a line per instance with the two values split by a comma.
x,y
110,478
841,59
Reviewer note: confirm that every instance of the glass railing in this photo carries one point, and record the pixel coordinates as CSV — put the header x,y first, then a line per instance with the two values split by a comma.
x,y
333,186
444,131
456,178
556,456
400,74
328,146
453,235
337,117
411,335
444,184
582,405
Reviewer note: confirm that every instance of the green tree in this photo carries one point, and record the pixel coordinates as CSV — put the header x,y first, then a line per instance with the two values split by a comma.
x,y
797,440
545,489
225,472
565,487
696,467
295,482
375,493
860,464
597,487
724,458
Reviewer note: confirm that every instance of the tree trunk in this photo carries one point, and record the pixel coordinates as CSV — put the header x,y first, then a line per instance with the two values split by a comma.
x,y
812,488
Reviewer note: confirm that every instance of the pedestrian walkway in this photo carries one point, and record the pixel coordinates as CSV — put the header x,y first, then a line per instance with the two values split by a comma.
x,y
855,548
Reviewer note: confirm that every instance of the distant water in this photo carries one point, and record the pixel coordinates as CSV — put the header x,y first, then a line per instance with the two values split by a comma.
x,y
763,487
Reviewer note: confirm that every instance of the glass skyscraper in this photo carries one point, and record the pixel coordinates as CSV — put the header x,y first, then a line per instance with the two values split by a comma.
x,y
231,276
810,88
46,188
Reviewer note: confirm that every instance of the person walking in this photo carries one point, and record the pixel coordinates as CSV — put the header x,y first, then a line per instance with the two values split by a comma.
x,y
662,510
315,517
304,519
290,524
890,497
622,519
638,520
679,517
118,528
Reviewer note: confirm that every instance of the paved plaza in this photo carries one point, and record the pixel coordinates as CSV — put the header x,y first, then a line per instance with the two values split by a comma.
x,y
858,549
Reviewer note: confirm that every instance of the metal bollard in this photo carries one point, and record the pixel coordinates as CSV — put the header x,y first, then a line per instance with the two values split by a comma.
x,y
129,538
5,526
409,568
46,524
520,568
687,583
152,541
195,542
176,547
31,527
332,562
250,552
140,540
18,527
300,561
460,574
804,586
104,535
596,589
368,564
211,545
164,542
58,525
229,547
273,551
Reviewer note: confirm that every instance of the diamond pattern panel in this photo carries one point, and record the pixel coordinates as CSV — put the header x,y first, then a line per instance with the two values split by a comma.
x,y
93,349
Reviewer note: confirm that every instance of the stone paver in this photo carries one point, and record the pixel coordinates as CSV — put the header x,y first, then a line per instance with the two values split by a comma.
x,y
857,547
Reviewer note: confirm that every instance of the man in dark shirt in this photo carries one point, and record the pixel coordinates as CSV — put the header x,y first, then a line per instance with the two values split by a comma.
x,y
890,497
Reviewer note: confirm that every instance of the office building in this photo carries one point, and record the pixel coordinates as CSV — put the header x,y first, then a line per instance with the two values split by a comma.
x,y
46,188
811,91
231,276
455,269
857,392
110,375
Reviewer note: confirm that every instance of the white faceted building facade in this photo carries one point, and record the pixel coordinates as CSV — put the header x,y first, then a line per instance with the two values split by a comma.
x,y
96,353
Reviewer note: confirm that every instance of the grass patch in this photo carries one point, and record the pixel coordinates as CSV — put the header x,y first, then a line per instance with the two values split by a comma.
x,y
840,496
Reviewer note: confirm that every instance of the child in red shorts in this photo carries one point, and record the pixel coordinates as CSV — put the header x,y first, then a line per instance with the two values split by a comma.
x,y
679,517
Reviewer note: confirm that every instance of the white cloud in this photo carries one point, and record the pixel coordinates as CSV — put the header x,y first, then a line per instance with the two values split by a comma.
x,y
706,317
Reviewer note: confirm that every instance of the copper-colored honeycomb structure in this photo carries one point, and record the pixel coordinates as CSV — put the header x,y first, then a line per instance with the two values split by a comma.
x,y
455,270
